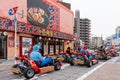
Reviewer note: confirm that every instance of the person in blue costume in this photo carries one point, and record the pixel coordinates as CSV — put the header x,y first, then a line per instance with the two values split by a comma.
x,y
38,58
84,51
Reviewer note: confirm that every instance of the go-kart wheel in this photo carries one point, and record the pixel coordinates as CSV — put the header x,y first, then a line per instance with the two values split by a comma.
x,y
71,61
57,66
88,63
15,66
29,73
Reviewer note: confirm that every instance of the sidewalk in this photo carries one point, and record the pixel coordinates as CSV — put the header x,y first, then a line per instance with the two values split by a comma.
x,y
6,64
109,71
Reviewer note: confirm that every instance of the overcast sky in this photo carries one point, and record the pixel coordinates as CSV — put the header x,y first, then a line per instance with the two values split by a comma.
x,y
104,14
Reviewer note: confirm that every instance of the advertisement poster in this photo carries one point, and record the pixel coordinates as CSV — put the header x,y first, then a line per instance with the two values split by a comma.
x,y
26,45
51,49
61,49
46,48
57,49
11,41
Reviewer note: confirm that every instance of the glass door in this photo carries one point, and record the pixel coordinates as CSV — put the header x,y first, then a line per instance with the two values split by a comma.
x,y
3,47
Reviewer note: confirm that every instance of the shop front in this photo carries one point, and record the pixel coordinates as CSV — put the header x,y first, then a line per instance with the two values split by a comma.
x,y
51,42
3,46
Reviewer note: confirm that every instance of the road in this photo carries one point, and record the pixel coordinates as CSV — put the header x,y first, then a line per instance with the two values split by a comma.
x,y
66,73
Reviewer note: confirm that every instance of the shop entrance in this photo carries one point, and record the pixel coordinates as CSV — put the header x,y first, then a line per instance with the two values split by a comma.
x,y
3,47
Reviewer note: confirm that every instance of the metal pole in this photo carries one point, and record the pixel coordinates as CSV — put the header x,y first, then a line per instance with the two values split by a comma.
x,y
15,22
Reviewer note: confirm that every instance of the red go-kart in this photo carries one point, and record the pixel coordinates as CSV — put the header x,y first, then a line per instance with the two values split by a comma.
x,y
28,68
80,60
64,57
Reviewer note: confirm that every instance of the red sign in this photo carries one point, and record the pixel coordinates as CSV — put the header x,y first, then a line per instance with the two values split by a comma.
x,y
15,9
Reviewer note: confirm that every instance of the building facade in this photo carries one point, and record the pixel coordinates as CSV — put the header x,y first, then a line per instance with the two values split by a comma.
x,y
67,5
108,41
85,29
117,30
82,28
77,23
45,22
96,42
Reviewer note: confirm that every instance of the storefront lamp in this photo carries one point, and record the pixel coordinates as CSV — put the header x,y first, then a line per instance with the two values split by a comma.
x,y
40,38
68,41
49,38
56,39
5,33
74,39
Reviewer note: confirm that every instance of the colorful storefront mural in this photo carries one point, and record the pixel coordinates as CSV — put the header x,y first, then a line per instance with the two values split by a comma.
x,y
43,14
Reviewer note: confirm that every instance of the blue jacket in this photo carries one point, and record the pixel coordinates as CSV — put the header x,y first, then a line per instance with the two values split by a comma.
x,y
85,51
35,55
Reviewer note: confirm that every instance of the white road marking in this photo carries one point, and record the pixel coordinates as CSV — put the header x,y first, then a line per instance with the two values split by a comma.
x,y
64,66
113,60
96,68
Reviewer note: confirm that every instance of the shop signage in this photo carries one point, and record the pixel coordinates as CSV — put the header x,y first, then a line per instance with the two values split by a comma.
x,y
59,35
26,28
46,32
7,24
63,36
67,36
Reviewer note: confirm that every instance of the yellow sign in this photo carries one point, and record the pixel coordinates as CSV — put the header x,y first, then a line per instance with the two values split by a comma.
x,y
45,32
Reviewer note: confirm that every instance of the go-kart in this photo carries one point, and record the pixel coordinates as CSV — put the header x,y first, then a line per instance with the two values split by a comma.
x,y
80,60
28,68
113,53
102,56
65,57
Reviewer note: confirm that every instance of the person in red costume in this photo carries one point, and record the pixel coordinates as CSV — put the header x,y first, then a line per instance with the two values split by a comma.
x,y
84,52
112,50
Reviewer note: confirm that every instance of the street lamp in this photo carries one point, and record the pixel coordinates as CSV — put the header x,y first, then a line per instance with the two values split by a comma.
x,y
13,12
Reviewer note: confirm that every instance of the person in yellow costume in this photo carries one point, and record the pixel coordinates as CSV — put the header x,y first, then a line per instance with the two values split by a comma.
x,y
66,46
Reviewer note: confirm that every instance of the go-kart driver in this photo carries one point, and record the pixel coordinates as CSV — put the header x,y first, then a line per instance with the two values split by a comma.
x,y
84,52
38,58
112,50
102,50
